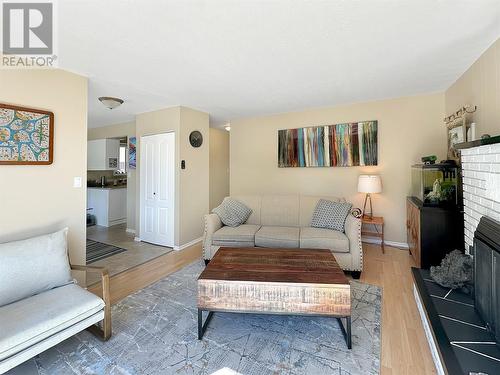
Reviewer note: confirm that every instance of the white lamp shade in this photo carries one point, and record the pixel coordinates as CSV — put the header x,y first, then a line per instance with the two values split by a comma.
x,y
369,184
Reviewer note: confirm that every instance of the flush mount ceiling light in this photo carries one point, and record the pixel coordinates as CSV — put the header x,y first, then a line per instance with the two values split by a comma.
x,y
110,102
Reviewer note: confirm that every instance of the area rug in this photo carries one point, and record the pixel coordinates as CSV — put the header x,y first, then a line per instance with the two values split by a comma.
x,y
155,332
98,250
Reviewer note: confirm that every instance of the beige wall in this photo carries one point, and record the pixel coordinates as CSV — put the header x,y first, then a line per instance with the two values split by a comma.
x,y
41,199
191,195
113,131
479,85
219,166
408,129
194,182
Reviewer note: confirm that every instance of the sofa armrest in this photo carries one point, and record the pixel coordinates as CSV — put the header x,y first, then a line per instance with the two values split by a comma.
x,y
106,323
353,233
212,225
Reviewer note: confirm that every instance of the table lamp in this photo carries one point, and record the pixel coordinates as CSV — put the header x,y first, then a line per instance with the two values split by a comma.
x,y
369,185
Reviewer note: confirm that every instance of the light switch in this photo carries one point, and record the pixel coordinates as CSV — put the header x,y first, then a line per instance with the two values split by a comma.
x,y
77,182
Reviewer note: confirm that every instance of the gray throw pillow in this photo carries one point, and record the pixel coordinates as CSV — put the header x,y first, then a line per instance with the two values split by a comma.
x,y
330,215
32,266
232,212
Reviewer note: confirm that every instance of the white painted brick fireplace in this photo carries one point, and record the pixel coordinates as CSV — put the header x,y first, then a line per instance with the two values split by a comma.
x,y
481,185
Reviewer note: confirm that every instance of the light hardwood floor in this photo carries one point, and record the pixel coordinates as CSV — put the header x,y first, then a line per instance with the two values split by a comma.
x,y
137,252
142,275
404,346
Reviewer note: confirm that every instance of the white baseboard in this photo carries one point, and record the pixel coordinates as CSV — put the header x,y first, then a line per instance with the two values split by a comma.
x,y
378,241
129,230
117,222
191,243
137,239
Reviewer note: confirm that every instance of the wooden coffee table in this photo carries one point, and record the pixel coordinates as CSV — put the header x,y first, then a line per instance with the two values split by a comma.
x,y
274,281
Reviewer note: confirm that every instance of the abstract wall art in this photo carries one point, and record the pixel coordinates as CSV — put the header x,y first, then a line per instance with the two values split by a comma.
x,y
340,145
26,135
132,153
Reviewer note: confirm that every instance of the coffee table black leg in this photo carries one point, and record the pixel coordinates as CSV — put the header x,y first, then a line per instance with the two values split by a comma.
x,y
346,331
202,327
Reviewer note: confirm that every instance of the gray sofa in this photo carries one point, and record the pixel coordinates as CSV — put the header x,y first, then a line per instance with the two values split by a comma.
x,y
284,221
40,304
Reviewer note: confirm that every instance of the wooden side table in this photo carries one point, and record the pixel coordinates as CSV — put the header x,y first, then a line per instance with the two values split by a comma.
x,y
374,222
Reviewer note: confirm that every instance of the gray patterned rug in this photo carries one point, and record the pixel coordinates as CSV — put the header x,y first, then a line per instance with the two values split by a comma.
x,y
155,332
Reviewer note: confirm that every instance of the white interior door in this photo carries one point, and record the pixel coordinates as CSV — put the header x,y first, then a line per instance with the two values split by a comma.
x,y
157,188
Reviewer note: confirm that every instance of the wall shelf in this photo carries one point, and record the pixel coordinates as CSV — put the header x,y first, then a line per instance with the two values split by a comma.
x,y
478,142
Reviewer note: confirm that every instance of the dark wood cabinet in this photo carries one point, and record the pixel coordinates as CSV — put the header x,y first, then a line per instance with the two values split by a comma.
x,y
432,232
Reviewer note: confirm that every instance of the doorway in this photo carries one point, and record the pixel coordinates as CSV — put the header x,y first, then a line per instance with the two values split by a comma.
x,y
157,189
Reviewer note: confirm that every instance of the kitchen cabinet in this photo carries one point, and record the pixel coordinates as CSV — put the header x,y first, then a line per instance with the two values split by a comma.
x,y
103,154
108,204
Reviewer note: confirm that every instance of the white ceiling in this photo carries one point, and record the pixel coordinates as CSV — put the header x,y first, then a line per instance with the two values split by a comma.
x,y
237,59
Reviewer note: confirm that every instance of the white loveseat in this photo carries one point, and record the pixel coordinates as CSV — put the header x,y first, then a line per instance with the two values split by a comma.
x,y
40,304
285,221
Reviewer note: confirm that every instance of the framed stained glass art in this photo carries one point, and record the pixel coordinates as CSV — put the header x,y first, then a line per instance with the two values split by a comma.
x,y
26,135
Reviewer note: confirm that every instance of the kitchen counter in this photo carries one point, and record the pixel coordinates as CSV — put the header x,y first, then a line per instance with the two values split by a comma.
x,y
108,204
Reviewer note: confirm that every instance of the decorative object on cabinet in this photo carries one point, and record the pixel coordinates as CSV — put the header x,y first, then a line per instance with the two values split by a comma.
x,y
374,222
457,127
431,159
196,138
26,135
436,184
369,185
433,232
340,145
132,153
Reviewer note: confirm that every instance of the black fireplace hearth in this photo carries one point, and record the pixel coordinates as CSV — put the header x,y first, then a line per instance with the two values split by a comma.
x,y
463,331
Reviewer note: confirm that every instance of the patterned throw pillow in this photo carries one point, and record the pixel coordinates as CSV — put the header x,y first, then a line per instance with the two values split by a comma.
x,y
330,215
232,212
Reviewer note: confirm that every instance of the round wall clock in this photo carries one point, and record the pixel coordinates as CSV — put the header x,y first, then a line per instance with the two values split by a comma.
x,y
196,138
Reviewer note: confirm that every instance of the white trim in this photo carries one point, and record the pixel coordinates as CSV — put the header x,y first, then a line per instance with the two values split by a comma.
x,y
474,342
189,244
461,321
137,239
428,333
117,222
377,241
130,230
452,300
